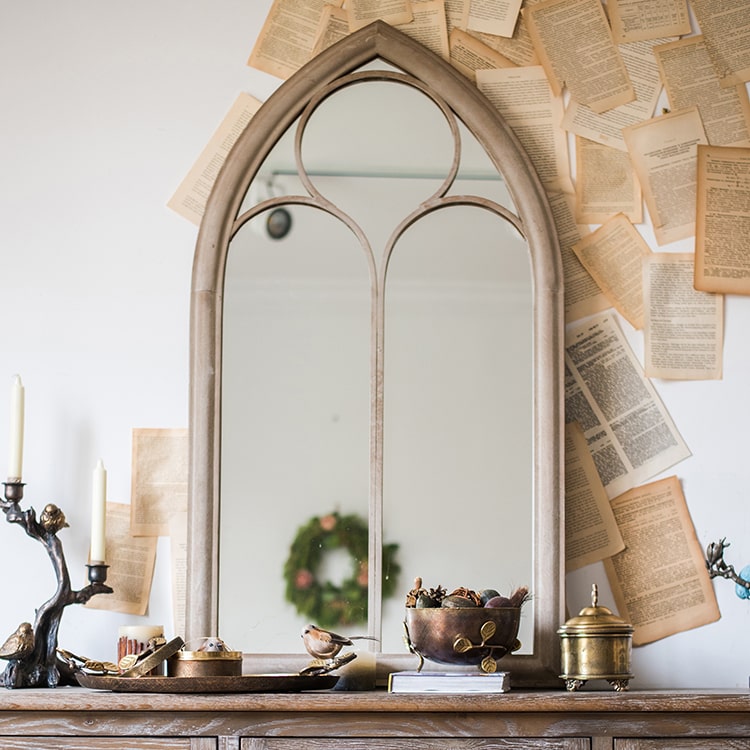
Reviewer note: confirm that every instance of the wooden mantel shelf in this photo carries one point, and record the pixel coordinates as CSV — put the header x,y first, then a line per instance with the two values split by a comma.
x,y
81,719
523,701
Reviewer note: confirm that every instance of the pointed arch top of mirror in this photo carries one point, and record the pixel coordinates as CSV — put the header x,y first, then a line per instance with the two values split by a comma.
x,y
379,41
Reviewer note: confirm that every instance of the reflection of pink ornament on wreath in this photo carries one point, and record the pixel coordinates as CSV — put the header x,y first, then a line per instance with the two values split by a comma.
x,y
328,523
362,577
303,579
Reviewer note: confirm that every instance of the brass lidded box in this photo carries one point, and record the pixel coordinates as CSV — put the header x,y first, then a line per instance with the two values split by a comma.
x,y
213,659
596,644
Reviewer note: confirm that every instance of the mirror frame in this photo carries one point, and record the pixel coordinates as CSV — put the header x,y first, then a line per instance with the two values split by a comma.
x,y
379,41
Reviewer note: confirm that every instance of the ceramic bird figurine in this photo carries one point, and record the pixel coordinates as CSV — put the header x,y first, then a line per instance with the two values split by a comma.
x,y
20,644
52,519
323,644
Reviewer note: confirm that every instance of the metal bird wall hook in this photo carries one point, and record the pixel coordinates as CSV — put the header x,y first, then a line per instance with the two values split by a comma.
x,y
717,567
31,651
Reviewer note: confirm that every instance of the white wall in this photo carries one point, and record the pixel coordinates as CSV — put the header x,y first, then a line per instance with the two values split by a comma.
x,y
104,108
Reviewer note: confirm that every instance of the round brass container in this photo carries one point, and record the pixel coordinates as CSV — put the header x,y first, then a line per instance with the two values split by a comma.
x,y
205,664
471,635
596,645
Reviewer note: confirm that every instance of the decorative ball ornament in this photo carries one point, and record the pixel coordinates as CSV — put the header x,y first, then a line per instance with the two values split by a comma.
x,y
323,602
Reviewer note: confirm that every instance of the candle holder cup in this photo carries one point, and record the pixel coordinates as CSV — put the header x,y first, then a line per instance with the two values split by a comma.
x,y
31,652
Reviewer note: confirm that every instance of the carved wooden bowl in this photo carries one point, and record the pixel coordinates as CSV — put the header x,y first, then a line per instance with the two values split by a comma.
x,y
471,635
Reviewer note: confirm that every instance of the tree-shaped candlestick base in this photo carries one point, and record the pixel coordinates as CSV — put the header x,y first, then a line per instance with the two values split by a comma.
x,y
31,652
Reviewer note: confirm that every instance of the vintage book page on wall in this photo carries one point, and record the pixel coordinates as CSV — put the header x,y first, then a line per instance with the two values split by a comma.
x,y
158,486
332,28
591,532
722,261
672,592
456,14
613,255
684,330
664,152
726,29
428,26
630,434
691,81
589,65
468,54
606,127
492,17
519,48
131,565
286,41
190,197
605,184
583,297
638,20
526,102
362,12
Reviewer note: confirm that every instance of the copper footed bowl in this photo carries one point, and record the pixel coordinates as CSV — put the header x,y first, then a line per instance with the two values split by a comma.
x,y
467,635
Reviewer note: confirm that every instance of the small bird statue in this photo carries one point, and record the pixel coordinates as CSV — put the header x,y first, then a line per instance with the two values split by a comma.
x,y
20,644
323,644
52,519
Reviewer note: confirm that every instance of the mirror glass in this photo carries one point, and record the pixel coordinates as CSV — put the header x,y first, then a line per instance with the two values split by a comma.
x,y
297,366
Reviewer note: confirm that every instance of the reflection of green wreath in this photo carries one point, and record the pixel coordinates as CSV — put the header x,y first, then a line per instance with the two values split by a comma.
x,y
325,604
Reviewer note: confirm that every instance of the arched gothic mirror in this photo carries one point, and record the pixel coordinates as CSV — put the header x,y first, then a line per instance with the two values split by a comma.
x,y
376,331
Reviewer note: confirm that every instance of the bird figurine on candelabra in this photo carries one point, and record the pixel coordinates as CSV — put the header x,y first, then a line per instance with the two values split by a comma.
x,y
20,644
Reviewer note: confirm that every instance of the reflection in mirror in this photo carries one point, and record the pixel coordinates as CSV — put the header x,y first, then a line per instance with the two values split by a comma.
x,y
296,411
457,418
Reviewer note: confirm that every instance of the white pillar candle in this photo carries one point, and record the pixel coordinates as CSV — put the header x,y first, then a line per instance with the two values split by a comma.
x,y
98,514
15,455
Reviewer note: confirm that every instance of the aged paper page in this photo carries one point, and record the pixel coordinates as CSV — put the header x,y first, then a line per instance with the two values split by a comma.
x,y
638,20
131,565
591,533
664,151
468,55
362,12
684,327
333,26
159,482
523,97
457,14
613,255
605,184
428,26
659,582
286,41
722,260
628,430
496,17
190,197
583,297
725,25
690,81
606,128
178,559
574,44
519,48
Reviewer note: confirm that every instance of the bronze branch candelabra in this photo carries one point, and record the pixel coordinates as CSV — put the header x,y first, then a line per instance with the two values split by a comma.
x,y
31,652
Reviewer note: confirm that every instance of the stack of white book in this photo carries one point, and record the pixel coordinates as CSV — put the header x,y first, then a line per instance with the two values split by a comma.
x,y
448,682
